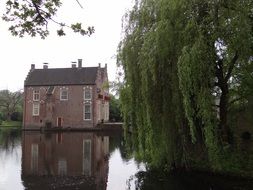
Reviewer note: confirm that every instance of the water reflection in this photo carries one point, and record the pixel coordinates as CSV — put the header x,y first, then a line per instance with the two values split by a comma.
x,y
86,161
69,160
10,159
9,139
152,180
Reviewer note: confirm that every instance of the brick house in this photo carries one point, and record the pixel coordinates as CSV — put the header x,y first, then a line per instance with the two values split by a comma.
x,y
75,97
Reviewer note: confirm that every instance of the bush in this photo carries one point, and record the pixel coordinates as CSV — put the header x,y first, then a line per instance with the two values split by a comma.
x,y
16,116
1,118
246,135
114,109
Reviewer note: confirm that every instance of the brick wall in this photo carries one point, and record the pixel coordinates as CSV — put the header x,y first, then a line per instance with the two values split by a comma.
x,y
70,111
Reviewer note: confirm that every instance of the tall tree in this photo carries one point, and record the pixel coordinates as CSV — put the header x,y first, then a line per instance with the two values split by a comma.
x,y
185,64
220,48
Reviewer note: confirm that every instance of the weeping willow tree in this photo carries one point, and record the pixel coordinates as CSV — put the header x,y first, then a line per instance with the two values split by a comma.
x,y
151,98
182,61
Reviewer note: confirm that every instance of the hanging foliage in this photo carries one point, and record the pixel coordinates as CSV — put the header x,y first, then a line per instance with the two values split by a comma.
x,y
180,59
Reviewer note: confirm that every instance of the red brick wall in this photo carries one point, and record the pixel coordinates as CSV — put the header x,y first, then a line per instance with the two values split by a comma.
x,y
71,110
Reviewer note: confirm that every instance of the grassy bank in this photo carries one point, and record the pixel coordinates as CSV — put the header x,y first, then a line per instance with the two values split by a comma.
x,y
11,124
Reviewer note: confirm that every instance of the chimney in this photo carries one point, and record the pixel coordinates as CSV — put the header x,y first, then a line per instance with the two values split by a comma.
x,y
45,65
99,65
106,66
73,64
32,67
79,63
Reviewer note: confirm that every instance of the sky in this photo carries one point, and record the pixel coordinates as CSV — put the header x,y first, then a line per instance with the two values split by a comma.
x,y
17,54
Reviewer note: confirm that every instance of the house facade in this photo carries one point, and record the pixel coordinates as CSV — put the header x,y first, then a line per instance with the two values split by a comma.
x,y
75,97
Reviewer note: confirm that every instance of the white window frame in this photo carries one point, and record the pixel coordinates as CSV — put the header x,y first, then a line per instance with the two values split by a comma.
x,y
106,110
84,93
84,111
61,95
36,109
98,111
36,95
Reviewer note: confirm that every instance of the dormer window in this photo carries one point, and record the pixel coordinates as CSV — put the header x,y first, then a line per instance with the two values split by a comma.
x,y
87,93
36,95
64,94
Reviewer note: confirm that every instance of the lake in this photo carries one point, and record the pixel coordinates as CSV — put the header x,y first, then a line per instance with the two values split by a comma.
x,y
88,160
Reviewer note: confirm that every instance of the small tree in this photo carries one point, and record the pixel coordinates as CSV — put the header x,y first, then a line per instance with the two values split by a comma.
x,y
1,118
114,109
9,102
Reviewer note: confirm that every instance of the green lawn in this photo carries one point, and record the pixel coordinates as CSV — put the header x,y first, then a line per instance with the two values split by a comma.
x,y
11,124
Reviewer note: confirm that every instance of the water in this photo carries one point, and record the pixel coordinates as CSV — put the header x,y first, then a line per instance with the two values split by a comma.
x,y
32,160
90,161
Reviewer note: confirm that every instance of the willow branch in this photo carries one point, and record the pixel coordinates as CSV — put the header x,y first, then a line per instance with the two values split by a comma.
x,y
79,4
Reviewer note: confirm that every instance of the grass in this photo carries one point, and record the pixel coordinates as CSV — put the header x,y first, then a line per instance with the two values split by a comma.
x,y
11,124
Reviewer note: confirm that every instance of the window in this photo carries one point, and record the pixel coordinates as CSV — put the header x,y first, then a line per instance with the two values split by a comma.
x,y
87,111
99,110
87,93
36,109
63,94
36,95
106,110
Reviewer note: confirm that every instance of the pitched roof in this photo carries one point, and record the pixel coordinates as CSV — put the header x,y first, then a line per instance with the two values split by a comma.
x,y
62,76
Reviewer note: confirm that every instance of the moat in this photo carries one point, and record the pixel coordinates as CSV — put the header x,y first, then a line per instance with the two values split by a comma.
x,y
87,160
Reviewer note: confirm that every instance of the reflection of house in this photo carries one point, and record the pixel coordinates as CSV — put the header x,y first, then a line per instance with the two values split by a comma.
x,y
66,97
75,158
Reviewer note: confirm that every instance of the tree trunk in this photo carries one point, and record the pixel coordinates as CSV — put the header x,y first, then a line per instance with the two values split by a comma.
x,y
223,113
8,117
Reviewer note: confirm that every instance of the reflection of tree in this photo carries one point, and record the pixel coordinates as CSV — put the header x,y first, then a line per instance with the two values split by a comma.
x,y
9,139
128,149
114,143
152,180
118,142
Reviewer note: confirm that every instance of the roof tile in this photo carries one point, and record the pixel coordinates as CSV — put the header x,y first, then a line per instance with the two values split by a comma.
x,y
62,76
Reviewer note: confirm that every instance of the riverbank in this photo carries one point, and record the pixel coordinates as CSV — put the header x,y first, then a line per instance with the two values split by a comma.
x,y
100,127
13,124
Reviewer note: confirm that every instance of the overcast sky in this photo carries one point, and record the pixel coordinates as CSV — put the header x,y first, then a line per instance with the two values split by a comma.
x,y
17,54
